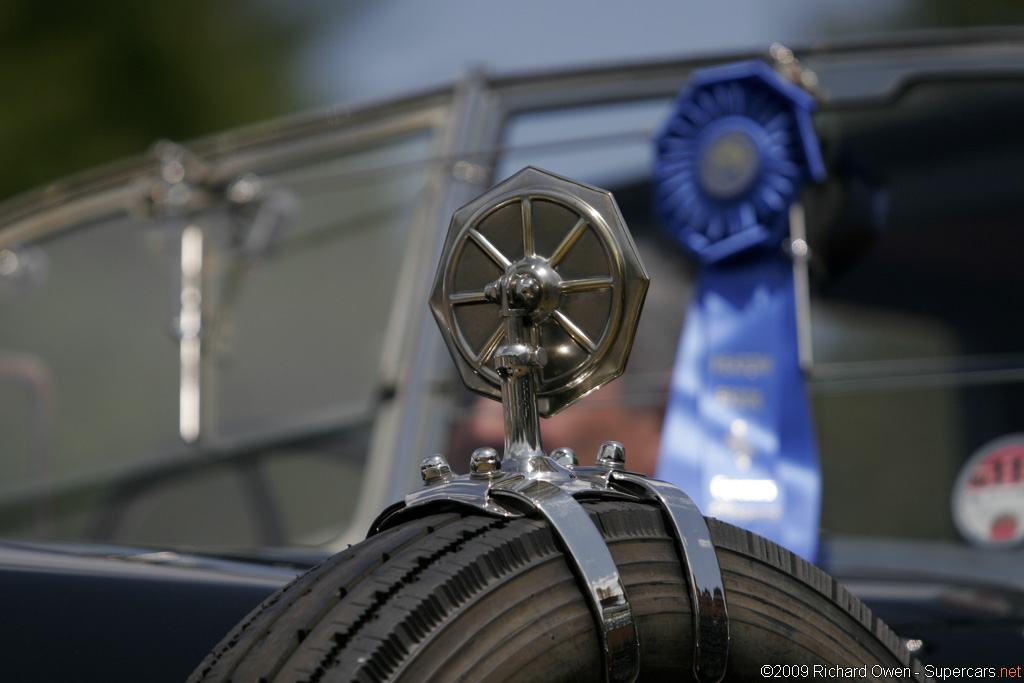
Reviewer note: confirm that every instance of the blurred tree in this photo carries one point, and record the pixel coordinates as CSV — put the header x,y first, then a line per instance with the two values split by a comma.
x,y
84,82
918,15
974,12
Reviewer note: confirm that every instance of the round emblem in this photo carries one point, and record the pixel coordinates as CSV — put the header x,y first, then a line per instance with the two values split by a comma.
x,y
988,498
728,164
571,261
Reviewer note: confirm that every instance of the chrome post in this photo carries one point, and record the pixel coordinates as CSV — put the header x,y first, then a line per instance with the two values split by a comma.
x,y
189,330
177,193
517,363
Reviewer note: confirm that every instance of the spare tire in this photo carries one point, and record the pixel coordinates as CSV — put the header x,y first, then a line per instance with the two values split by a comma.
x,y
460,596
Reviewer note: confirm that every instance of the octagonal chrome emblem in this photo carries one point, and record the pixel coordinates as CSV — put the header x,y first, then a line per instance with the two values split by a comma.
x,y
561,248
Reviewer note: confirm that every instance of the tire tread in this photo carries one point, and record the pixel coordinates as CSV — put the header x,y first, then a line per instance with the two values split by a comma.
x,y
401,605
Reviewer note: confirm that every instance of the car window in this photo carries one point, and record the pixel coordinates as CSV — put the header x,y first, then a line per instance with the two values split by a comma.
x,y
918,348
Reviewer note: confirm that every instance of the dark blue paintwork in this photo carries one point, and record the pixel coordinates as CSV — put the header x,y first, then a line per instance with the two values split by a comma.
x,y
90,613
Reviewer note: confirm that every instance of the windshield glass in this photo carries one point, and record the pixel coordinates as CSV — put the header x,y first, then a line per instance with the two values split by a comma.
x,y
117,423
246,370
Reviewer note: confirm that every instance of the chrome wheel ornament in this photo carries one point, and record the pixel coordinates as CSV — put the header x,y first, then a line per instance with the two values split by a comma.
x,y
538,296
557,254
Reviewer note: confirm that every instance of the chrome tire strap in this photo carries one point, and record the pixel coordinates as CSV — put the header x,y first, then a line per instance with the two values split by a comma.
x,y
515,495
707,592
595,569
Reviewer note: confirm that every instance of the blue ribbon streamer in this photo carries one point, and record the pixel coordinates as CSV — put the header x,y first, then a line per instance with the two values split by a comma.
x,y
738,436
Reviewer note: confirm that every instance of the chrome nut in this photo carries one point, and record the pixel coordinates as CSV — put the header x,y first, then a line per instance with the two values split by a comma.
x,y
612,456
527,291
565,457
484,463
435,470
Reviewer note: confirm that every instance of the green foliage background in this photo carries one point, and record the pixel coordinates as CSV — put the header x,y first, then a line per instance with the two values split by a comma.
x,y
83,82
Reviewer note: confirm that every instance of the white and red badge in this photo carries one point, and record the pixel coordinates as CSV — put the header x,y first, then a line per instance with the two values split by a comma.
x,y
988,498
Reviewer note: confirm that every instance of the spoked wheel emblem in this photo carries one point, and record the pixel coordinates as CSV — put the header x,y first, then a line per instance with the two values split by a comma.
x,y
570,267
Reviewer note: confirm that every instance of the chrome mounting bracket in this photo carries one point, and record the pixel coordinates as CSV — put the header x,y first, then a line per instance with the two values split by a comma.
x,y
184,198
538,296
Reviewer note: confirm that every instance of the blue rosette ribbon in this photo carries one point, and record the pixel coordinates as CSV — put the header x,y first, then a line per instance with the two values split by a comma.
x,y
738,435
